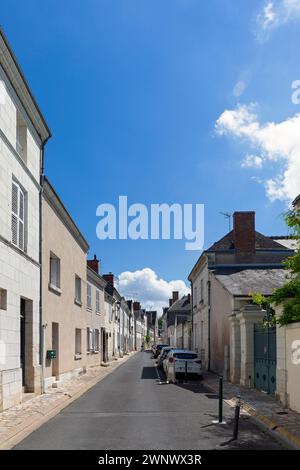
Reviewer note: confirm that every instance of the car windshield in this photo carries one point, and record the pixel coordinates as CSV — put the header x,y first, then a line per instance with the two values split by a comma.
x,y
185,355
165,352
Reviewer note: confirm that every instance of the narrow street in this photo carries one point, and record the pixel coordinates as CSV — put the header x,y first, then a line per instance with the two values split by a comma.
x,y
133,408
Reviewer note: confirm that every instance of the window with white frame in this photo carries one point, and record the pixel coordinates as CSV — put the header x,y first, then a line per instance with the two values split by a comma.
x,y
18,216
54,271
97,301
77,289
195,296
89,340
3,299
77,341
97,340
201,290
89,296
21,137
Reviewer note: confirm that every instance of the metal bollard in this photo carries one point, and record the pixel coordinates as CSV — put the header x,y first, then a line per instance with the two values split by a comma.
x,y
236,418
220,399
185,374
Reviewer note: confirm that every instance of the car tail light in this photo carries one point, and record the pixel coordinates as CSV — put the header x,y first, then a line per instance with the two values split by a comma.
x,y
171,360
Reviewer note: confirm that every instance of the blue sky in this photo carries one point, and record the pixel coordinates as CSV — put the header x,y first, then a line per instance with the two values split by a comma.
x,y
132,91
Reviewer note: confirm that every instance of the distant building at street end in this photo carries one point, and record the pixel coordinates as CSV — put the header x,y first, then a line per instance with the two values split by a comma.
x,y
176,322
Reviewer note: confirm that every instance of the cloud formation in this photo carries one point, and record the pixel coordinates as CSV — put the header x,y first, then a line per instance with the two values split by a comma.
x,y
252,161
239,88
145,285
274,142
276,13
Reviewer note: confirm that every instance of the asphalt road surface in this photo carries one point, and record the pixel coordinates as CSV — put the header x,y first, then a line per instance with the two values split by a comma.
x,y
132,408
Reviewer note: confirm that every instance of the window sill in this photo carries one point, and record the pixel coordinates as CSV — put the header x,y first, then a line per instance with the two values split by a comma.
x,y
78,302
98,313
77,357
89,309
56,290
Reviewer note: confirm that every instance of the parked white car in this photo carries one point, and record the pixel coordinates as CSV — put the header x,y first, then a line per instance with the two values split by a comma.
x,y
176,360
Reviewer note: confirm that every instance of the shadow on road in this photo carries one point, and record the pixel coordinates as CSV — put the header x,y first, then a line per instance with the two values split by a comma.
x,y
149,373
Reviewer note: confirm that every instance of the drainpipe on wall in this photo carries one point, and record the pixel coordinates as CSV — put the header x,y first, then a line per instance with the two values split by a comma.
x,y
209,338
41,326
192,308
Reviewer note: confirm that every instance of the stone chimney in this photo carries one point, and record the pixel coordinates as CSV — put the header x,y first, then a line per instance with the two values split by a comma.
x,y
175,296
109,278
244,231
93,264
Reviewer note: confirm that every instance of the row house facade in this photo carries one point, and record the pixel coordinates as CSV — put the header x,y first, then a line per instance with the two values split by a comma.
x,y
176,322
64,292
223,317
23,136
97,331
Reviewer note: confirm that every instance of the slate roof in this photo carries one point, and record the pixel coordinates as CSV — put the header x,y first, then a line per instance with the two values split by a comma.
x,y
261,242
242,282
181,305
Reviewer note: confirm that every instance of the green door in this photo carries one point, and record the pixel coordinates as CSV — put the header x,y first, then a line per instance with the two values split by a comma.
x,y
265,358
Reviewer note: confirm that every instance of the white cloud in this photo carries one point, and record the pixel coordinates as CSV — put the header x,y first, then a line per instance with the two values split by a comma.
x,y
252,161
239,88
275,14
152,291
269,17
278,142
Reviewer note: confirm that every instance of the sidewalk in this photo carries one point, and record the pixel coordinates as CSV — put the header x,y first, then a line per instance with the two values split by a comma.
x,y
283,423
19,421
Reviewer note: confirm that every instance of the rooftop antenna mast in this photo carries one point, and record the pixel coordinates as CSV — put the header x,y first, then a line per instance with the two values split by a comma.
x,y
228,216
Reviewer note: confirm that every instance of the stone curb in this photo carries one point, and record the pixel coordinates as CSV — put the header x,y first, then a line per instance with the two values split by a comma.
x,y
278,432
21,431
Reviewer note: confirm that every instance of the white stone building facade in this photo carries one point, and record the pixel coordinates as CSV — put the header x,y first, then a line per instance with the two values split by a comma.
x,y
23,134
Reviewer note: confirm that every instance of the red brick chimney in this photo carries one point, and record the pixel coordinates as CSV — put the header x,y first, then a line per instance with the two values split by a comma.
x,y
136,306
94,264
244,231
175,296
109,278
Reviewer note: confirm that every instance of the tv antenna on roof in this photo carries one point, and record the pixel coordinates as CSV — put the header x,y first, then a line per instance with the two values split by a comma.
x,y
228,216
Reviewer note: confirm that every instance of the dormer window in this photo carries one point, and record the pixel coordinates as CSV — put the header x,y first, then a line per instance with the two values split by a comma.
x,y
21,137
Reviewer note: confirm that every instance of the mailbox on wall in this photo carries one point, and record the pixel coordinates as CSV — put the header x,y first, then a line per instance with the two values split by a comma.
x,y
51,354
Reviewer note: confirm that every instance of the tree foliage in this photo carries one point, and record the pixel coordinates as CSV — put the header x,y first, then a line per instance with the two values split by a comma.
x,y
289,294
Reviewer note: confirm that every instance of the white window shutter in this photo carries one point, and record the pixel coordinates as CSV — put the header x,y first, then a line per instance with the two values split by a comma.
x,y
15,199
21,235
18,216
14,229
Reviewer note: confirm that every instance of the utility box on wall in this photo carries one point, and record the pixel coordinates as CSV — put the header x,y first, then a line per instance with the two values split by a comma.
x,y
51,354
